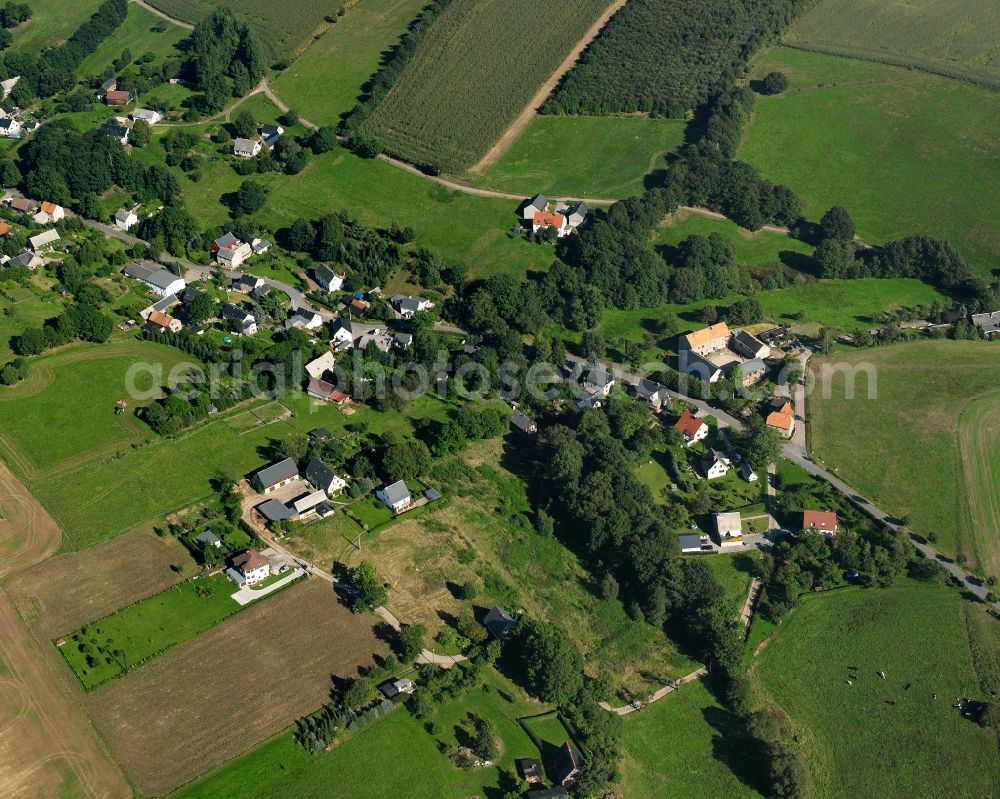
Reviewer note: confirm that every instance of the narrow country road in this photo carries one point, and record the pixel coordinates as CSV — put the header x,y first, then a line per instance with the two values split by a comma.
x,y
163,15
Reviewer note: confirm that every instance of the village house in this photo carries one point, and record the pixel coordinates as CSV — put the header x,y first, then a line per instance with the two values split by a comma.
x,y
691,428
249,568
577,214
729,529
44,241
208,539
988,323
246,148
164,322
403,340
126,219
407,305
323,478
568,764
246,321
537,203
260,246
247,283
269,135
49,213
327,392
499,622
118,96
781,417
395,496
274,511
747,473
147,115
548,793
304,319
229,251
714,465
341,334
694,364
117,128
820,521
318,367
327,279
656,395
543,220
5,228
23,204
357,305
750,371
529,769
273,477
26,258
525,424
391,689
707,340
10,128
307,504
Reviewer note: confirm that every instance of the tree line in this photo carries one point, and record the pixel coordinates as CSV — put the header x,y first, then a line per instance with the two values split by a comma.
x,y
105,21
225,59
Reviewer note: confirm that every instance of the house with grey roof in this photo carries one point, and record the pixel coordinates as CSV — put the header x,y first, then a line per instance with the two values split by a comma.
x,y
714,464
323,478
274,511
126,219
327,277
395,496
273,477
988,323
26,258
246,148
653,393
208,539
692,542
533,206
407,305
44,241
747,345
499,622
269,135
523,423
304,319
341,334
237,313
162,306
577,214
403,340
162,281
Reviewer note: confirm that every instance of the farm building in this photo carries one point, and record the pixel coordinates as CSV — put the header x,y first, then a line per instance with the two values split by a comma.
x,y
529,769
44,241
273,477
748,346
162,281
533,206
707,340
317,367
275,511
568,764
321,390
146,115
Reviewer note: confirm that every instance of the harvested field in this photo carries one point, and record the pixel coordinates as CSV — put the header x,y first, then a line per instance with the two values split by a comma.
x,y
276,657
28,534
73,589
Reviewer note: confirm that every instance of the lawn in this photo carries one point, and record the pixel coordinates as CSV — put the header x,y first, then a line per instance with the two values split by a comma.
x,y
357,768
137,633
476,68
904,151
325,81
733,572
282,28
898,737
71,395
137,34
956,38
930,443
460,227
602,157
681,747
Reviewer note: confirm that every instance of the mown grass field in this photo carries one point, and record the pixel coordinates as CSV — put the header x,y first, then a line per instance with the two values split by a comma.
x,y
138,35
888,737
51,23
71,394
359,768
141,631
751,248
471,230
22,307
956,38
476,69
602,157
186,712
282,27
904,151
929,439
681,747
325,81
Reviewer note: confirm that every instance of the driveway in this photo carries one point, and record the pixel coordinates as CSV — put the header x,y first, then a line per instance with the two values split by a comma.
x,y
247,595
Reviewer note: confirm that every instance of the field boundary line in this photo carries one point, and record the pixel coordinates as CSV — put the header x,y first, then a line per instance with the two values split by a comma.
x,y
516,128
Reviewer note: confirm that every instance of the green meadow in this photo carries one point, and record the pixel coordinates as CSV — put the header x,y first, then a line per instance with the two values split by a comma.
x,y
751,248
904,151
325,81
51,23
597,157
862,735
20,308
140,35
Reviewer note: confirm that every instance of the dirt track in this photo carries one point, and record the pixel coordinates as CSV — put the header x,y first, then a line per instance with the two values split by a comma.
x,y
46,747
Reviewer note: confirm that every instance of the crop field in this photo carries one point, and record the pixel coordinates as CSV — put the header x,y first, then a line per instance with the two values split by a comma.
x,y
903,151
358,767
139,34
682,747
957,38
107,648
276,657
73,589
935,462
478,66
377,193
283,27
325,81
602,157
897,737
71,395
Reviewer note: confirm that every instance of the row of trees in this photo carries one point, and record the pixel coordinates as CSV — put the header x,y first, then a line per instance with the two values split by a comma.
x,y
105,21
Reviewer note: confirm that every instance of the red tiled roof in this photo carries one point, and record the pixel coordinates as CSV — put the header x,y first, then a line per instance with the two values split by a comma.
x,y
825,520
688,424
160,318
549,219
783,421
118,97
249,561
48,207
5,228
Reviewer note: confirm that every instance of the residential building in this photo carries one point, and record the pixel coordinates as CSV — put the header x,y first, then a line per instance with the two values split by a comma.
x,y
229,251
108,86
26,258
568,764
44,241
729,528
707,340
52,211
318,367
525,424
5,228
249,568
747,473
988,323
126,219
691,543
323,478
208,539
403,340
714,465
341,334
318,434
548,219
820,521
118,97
327,279
357,305
10,128
529,769
748,346
395,496
691,428
23,204
246,148
269,135
260,246
577,214
260,292
273,477
304,320
394,688
115,128
163,321
7,86
407,305
649,391
327,392
148,115
237,313
499,622
533,206
692,363
781,417
247,283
